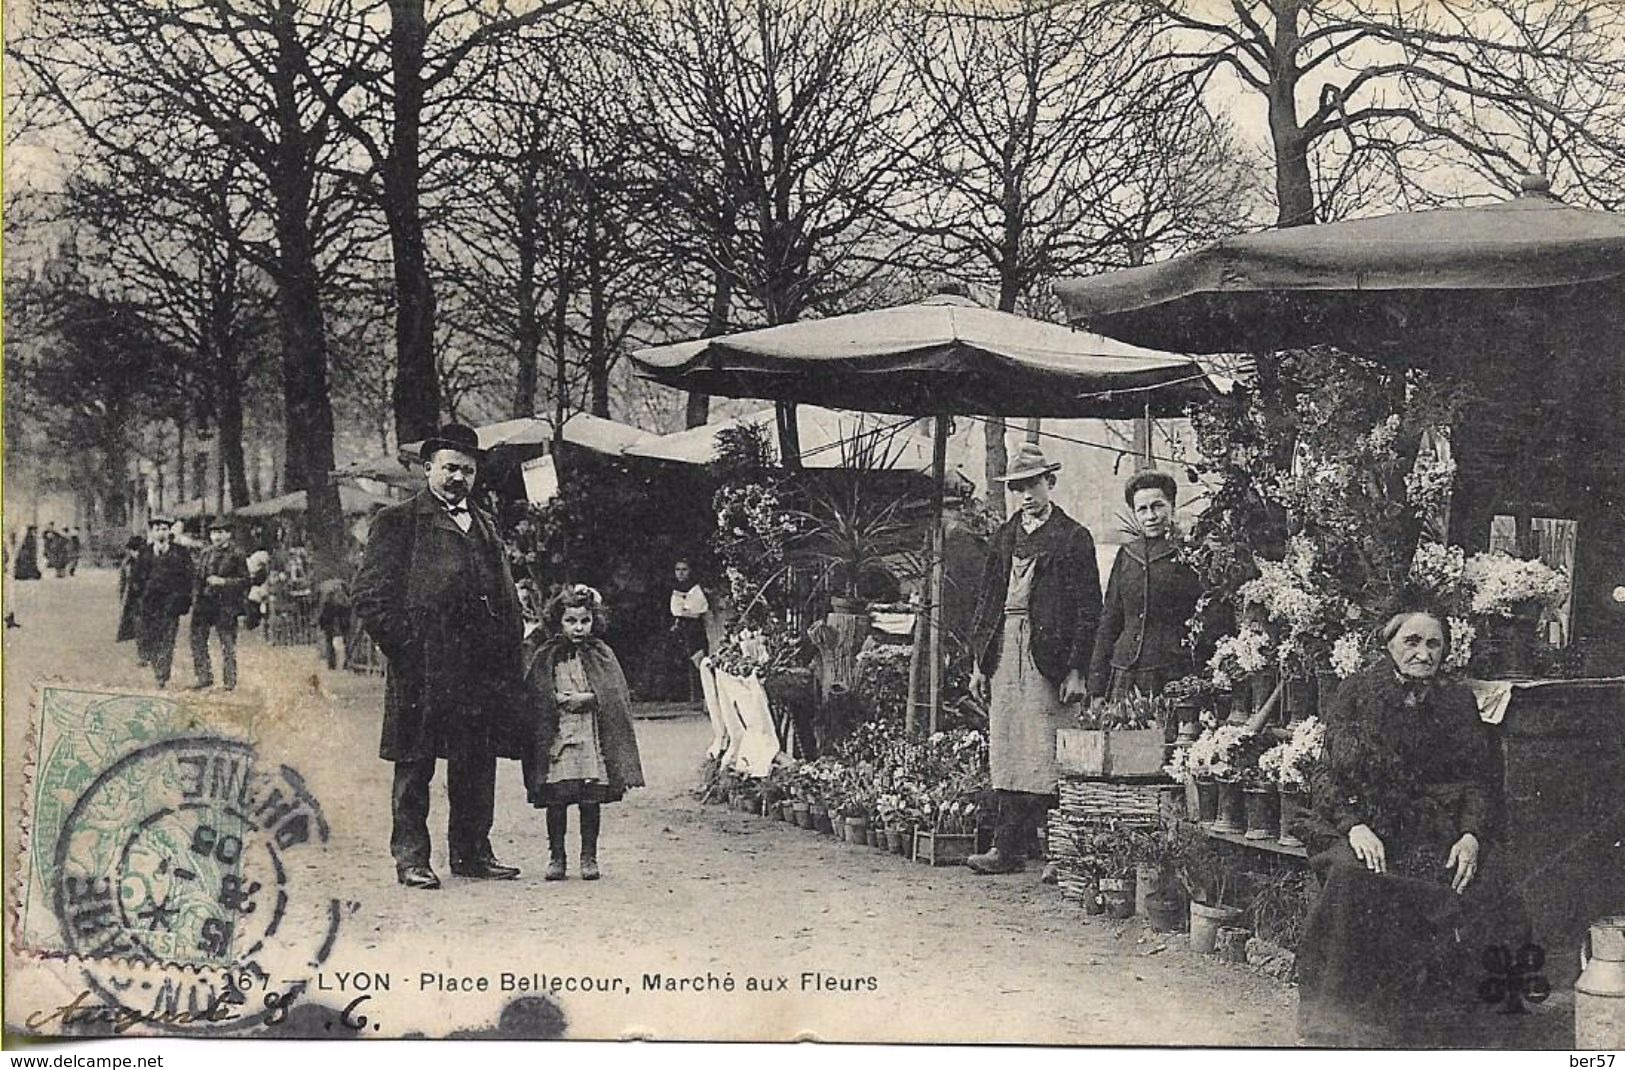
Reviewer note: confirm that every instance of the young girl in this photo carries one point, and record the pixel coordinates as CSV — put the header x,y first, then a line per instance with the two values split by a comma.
x,y
584,750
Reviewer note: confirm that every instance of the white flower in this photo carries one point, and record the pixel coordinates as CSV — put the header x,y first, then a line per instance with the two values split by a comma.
x,y
1347,656
1462,634
1500,582
1438,568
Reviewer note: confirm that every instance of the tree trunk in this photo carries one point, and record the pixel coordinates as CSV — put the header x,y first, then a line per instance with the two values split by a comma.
x,y
996,459
180,459
1294,189
417,389
229,416
308,403
598,354
716,323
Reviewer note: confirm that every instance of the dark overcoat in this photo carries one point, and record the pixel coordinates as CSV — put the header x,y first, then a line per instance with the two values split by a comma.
x,y
1065,606
623,767
132,577
442,607
1419,768
221,604
166,583
1149,600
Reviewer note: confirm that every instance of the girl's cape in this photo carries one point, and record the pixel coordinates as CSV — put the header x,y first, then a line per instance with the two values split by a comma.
x,y
615,733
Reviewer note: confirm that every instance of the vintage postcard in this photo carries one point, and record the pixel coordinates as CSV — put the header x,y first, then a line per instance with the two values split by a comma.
x,y
1078,523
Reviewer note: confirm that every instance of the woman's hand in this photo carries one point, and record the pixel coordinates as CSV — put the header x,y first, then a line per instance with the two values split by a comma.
x,y
1464,857
1368,848
1074,688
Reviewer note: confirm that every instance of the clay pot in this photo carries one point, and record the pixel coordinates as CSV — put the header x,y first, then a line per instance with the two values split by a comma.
x,y
1232,817
1293,805
1205,924
1207,801
1263,808
1118,894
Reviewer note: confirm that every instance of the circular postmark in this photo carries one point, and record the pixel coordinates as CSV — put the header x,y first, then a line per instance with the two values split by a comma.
x,y
184,880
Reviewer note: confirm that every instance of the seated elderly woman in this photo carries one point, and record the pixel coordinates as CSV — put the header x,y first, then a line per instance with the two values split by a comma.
x,y
1405,803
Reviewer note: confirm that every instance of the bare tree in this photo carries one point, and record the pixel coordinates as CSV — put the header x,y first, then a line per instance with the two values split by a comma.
x,y
1053,145
186,269
146,84
1413,90
413,80
776,130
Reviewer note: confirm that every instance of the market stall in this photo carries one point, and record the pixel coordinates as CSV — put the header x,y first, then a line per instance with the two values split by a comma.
x,y
936,357
1509,317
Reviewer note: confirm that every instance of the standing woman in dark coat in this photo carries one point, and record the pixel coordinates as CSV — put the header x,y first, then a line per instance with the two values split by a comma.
x,y
1035,627
1149,600
27,566
131,575
1405,808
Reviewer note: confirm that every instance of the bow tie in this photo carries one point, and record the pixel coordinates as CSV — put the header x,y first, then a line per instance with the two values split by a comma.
x,y
460,509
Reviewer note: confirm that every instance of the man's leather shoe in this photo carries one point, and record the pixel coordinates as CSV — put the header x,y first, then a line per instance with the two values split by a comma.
x,y
417,877
992,862
485,869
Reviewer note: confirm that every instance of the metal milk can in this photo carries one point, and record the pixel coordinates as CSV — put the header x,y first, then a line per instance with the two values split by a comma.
x,y
1599,994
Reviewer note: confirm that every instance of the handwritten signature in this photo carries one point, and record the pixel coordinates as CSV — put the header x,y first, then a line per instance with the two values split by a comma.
x,y
84,1009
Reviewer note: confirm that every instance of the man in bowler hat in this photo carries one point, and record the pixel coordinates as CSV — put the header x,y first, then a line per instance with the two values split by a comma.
x,y
166,596
222,583
435,593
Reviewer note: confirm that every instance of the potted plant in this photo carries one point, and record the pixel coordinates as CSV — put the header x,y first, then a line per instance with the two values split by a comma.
x,y
1206,876
1080,863
1119,849
1261,803
1156,883
1188,698
1220,763
1296,762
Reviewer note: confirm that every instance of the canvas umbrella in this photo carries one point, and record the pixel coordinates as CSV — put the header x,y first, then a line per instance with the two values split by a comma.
x,y
1405,287
938,357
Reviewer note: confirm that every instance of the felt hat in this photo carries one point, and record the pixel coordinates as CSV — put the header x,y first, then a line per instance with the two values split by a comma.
x,y
1028,463
459,437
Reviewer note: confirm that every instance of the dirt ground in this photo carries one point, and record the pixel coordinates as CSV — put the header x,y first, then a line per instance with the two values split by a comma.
x,y
868,946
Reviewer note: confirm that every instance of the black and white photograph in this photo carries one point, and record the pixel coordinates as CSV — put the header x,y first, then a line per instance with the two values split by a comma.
x,y
1066,524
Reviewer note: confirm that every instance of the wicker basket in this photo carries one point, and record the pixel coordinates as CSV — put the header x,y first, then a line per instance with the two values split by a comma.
x,y
1138,803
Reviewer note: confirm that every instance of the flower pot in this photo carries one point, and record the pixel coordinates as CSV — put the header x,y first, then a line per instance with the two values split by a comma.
x,y
1166,913
894,840
801,814
873,836
1294,804
1205,924
1207,801
1232,816
1189,719
1150,882
857,831
1263,807
1326,685
1118,895
826,824
1299,698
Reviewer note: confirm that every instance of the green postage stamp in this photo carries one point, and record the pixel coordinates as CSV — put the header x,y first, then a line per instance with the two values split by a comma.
x,y
163,860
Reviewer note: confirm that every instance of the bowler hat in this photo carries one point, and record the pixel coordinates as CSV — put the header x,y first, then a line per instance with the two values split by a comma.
x,y
156,521
459,437
220,523
1030,462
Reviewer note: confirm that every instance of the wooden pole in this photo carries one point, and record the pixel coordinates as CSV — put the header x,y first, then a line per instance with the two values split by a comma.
x,y
939,479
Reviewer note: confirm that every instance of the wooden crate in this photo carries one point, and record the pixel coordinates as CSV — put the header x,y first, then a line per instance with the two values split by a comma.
x,y
1104,752
943,848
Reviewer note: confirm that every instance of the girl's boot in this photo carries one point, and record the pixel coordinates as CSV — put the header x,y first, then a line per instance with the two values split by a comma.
x,y
590,816
558,819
